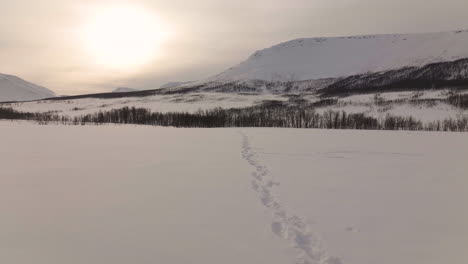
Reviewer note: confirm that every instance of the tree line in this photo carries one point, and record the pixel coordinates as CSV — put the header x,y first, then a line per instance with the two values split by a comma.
x,y
266,115
458,100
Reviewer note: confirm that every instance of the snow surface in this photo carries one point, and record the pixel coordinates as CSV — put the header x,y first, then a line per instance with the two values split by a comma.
x,y
421,112
373,197
13,88
193,102
317,58
126,194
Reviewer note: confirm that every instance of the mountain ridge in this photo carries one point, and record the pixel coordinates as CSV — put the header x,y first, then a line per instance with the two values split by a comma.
x,y
339,57
13,88
124,90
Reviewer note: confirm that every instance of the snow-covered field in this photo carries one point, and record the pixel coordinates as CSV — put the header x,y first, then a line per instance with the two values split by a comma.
x,y
192,102
398,104
157,103
423,112
137,194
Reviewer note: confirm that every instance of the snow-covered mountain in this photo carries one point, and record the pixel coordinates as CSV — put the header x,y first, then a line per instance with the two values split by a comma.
x,y
124,90
13,88
422,76
337,57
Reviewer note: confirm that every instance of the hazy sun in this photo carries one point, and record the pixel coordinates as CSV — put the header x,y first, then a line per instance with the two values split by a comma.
x,y
122,36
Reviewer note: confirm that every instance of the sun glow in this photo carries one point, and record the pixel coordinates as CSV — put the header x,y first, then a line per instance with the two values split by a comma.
x,y
122,37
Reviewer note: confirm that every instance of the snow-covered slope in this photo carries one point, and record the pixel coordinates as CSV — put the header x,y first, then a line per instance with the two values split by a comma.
x,y
318,58
124,90
13,88
173,84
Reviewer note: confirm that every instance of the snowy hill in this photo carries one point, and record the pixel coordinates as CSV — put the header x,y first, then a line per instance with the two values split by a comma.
x,y
321,58
173,84
124,90
13,88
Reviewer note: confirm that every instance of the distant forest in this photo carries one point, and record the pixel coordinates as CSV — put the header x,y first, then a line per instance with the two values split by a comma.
x,y
268,114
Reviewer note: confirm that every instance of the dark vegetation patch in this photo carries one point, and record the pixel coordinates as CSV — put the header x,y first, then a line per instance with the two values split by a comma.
x,y
325,102
458,100
259,116
43,118
271,103
231,87
443,75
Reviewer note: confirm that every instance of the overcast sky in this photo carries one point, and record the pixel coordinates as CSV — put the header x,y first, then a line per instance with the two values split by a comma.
x,y
39,40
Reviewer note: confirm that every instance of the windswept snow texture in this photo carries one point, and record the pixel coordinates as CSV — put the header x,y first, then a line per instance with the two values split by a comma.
x,y
373,197
319,58
231,196
13,88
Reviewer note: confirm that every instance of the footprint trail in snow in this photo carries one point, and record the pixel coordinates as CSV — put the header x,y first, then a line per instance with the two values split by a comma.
x,y
289,227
